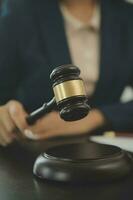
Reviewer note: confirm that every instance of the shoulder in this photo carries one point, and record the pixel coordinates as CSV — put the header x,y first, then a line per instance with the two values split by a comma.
x,y
122,10
125,9
20,7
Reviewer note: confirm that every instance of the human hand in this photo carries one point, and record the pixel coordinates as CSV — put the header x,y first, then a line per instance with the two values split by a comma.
x,y
8,128
52,125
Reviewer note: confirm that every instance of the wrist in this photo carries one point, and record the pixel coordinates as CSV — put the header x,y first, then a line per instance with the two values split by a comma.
x,y
95,120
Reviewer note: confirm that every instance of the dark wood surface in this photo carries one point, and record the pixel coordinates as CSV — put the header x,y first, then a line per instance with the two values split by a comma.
x,y
18,183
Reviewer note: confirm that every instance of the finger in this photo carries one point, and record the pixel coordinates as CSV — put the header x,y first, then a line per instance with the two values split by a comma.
x,y
18,115
11,129
34,136
19,134
9,125
30,135
5,138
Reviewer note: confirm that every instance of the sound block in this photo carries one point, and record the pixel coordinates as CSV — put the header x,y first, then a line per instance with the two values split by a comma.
x,y
83,162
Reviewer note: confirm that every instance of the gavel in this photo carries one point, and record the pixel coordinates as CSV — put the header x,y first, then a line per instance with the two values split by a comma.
x,y
69,96
77,162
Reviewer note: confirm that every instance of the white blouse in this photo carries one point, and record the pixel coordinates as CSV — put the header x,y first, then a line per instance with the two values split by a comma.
x,y
84,45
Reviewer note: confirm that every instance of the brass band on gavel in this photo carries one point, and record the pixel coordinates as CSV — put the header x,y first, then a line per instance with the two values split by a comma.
x,y
68,89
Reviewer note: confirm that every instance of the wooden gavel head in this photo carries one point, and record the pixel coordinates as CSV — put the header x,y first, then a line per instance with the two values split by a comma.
x,y
70,96
69,93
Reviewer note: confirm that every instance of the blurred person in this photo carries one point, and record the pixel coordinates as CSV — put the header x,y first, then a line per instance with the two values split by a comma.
x,y
37,36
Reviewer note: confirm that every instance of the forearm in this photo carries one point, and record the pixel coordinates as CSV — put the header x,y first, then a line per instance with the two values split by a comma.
x,y
94,120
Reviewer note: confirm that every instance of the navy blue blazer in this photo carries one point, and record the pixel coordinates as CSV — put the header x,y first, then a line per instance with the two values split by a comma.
x,y
0,6
33,42
3,7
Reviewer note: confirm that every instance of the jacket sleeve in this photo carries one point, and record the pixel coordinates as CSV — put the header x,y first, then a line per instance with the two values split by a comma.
x,y
119,116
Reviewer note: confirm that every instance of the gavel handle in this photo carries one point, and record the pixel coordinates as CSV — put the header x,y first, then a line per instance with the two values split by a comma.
x,y
37,114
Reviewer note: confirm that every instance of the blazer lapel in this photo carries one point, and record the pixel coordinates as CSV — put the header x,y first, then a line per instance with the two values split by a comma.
x,y
52,33
112,50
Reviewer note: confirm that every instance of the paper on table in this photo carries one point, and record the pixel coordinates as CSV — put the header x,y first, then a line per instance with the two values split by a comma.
x,y
125,143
